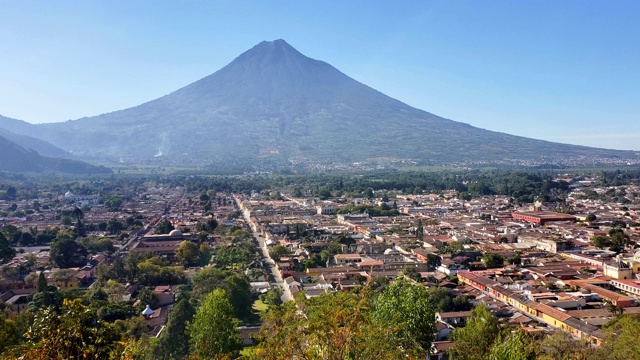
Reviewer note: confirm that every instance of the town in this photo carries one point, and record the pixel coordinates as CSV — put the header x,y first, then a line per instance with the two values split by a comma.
x,y
141,253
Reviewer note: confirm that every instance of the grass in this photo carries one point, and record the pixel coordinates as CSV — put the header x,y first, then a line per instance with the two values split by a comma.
x,y
258,305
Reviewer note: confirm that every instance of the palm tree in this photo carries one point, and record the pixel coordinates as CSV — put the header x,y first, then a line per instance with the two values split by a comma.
x,y
613,309
77,214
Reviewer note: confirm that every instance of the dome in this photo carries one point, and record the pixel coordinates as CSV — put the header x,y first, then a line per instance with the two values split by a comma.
x,y
175,233
68,194
147,311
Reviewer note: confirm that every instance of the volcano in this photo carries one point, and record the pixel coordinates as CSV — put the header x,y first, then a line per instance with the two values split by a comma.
x,y
274,105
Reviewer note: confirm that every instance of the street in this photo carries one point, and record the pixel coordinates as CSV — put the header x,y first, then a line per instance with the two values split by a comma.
x,y
267,260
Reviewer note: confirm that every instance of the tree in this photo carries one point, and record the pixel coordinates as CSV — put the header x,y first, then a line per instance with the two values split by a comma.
x,y
205,254
453,248
346,240
324,194
461,303
440,299
11,233
240,294
202,227
111,312
214,333
212,224
8,333
154,271
119,270
207,280
66,253
620,338
164,227
42,282
102,226
600,241
174,340
273,296
369,193
238,254
6,251
330,326
420,229
99,295
66,220
26,239
64,276
96,245
75,333
562,346
134,327
115,291
114,226
148,297
591,217
517,345
433,261
278,251
32,260
13,273
405,307
31,279
492,260
11,193
112,202
613,309
411,272
79,229
619,240
474,341
188,253
78,215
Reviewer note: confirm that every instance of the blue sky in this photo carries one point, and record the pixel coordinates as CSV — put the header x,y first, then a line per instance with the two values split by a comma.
x,y
566,71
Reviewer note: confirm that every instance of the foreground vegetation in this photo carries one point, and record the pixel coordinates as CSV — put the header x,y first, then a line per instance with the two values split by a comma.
x,y
380,321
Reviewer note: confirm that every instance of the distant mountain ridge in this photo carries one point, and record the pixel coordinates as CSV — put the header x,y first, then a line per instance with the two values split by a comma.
x,y
273,105
16,158
40,146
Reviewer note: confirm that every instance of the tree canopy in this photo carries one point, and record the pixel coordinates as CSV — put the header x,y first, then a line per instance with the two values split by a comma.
x,y
73,334
330,326
66,253
621,338
405,306
174,340
6,251
188,253
214,333
474,341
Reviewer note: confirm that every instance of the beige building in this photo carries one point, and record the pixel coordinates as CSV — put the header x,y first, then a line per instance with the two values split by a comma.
x,y
618,269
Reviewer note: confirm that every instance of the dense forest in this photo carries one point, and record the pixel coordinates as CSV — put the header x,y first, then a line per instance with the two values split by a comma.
x,y
520,185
